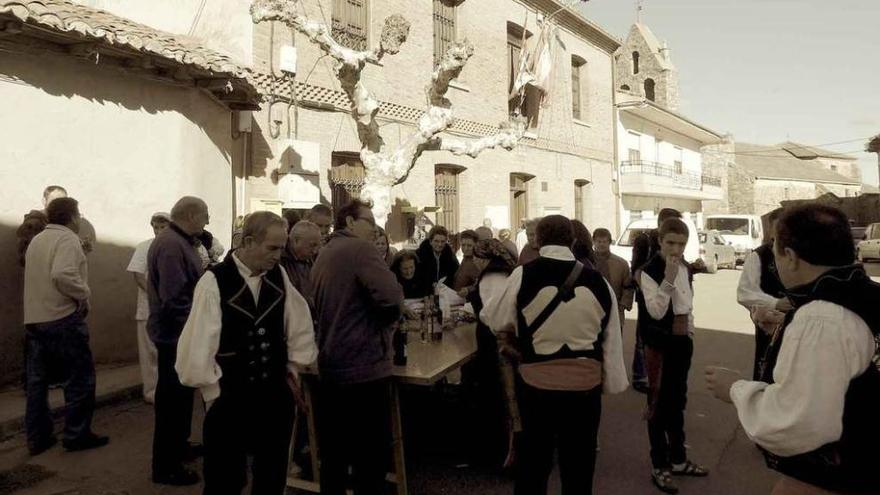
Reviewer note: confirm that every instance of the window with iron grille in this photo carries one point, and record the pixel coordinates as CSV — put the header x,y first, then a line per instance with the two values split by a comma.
x,y
578,75
579,186
350,23
346,179
446,195
444,28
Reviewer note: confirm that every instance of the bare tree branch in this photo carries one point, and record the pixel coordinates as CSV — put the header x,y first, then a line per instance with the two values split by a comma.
x,y
384,168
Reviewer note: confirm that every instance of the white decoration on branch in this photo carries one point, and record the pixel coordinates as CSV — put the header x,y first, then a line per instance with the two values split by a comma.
x,y
386,168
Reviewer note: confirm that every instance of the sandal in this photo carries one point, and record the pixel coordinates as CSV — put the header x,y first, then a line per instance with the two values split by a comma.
x,y
663,480
689,468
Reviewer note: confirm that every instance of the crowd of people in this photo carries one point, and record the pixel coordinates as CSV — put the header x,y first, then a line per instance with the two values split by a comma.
x,y
549,301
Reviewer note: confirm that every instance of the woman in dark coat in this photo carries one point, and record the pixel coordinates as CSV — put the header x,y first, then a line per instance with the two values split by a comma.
x,y
436,259
404,266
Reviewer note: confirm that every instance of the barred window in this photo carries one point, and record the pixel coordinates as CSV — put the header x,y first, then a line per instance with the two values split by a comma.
x,y
444,28
578,76
346,179
350,23
446,194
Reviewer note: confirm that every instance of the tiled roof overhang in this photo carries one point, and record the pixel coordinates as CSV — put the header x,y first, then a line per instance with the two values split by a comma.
x,y
76,30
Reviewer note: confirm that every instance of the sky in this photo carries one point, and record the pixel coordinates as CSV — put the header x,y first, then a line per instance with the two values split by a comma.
x,y
768,71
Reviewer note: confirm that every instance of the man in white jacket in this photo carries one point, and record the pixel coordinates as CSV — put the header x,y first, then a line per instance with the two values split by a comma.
x,y
247,337
814,411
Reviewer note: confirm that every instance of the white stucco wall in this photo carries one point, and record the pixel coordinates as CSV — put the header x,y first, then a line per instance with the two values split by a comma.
x,y
125,148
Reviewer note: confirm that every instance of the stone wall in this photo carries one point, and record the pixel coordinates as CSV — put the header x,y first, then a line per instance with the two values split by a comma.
x,y
650,66
718,161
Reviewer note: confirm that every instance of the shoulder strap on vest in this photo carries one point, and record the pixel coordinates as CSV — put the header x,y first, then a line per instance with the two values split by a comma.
x,y
564,290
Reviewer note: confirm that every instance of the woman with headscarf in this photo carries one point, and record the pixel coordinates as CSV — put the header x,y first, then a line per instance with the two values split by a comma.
x,y
481,376
404,267
583,244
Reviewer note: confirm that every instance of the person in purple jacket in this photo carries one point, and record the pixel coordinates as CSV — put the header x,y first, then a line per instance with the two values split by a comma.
x,y
357,299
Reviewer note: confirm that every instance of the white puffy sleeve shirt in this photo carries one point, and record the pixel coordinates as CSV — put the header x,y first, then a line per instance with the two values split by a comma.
x,y
200,339
658,296
824,348
500,314
748,291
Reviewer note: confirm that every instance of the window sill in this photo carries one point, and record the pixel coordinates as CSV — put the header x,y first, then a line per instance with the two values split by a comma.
x,y
455,83
582,123
375,62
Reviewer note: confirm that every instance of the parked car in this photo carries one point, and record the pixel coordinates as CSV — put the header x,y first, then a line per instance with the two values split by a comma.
x,y
746,232
858,234
716,252
623,246
869,248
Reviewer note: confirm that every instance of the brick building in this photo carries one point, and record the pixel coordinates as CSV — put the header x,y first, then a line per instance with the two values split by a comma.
x,y
660,150
304,145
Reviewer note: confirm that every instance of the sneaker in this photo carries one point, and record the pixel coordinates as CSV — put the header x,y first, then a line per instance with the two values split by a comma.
x,y
180,477
688,468
90,441
663,480
43,446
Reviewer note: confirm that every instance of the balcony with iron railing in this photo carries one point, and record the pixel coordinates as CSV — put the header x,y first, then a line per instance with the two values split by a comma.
x,y
649,178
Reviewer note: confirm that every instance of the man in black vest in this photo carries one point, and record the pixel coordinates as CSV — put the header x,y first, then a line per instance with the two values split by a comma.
x,y
645,246
558,321
667,301
246,338
762,293
814,412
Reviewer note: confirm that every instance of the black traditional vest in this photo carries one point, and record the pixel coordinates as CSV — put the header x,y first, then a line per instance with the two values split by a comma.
x,y
849,464
770,282
253,348
654,332
547,272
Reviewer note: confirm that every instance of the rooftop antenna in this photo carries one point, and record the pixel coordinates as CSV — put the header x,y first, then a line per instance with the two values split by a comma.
x,y
639,8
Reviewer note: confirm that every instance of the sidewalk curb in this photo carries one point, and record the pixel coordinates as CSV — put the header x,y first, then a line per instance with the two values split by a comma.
x,y
14,426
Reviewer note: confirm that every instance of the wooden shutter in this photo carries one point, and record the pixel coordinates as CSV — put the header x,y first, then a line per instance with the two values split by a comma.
x,y
350,23
346,179
444,28
519,198
446,193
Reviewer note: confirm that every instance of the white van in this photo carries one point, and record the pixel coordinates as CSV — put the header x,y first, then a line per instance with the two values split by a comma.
x,y
745,232
623,246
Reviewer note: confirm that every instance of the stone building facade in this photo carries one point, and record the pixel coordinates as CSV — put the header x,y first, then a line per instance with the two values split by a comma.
x,y
304,146
644,68
759,178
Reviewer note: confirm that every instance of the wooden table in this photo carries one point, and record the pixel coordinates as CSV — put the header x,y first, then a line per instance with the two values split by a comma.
x,y
427,363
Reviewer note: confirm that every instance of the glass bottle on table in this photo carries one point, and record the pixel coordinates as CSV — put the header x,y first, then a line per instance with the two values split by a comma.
x,y
436,316
426,329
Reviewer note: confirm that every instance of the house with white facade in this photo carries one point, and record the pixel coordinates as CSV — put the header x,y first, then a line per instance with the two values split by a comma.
x,y
661,162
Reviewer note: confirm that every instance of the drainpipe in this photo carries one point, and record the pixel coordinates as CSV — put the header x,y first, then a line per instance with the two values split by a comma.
x,y
615,165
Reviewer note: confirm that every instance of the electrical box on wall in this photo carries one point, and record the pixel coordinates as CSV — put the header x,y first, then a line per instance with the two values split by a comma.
x,y
287,59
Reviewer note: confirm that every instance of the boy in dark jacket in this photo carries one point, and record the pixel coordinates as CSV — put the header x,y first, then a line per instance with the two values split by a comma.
x,y
667,288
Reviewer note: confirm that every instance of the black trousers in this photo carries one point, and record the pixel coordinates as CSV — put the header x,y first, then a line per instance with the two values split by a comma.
x,y
762,342
354,428
551,420
666,425
259,422
174,410
57,349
